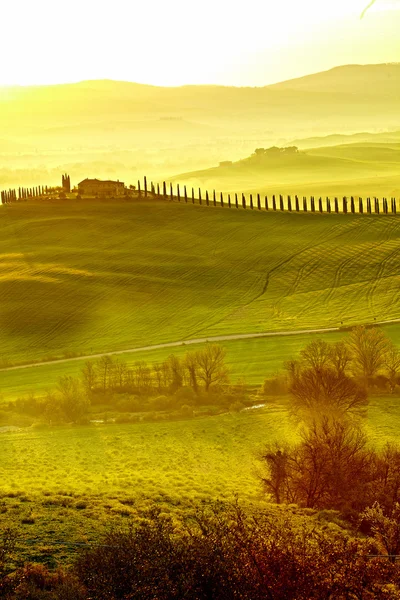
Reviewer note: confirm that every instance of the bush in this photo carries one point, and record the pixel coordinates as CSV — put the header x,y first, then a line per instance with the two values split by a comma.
x,y
226,554
186,395
161,403
275,386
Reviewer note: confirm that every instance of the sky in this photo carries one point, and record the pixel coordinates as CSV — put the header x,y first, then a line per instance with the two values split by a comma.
x,y
179,42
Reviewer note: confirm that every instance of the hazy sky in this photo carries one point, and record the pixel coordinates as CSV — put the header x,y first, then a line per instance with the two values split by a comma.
x,y
252,42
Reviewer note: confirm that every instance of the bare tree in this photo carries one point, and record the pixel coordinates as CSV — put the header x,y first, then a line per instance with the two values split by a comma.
x,y
211,365
331,467
105,364
391,362
316,355
340,357
89,376
324,392
368,347
191,364
74,403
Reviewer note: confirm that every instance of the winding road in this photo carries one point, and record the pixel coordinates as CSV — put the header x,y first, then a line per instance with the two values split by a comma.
x,y
217,338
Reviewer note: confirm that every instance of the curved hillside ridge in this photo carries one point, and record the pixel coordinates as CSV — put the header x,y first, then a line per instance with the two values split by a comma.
x,y
97,277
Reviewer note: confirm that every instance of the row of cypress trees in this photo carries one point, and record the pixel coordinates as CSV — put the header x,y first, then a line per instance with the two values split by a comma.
x,y
345,205
13,195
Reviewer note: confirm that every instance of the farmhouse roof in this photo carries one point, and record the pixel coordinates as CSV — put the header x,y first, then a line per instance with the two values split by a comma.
x,y
99,181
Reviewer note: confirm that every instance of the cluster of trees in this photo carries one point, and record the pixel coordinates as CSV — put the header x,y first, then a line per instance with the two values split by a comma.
x,y
219,554
367,357
333,465
274,150
198,378
200,370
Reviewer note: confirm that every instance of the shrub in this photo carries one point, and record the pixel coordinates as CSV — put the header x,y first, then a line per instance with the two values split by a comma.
x,y
226,554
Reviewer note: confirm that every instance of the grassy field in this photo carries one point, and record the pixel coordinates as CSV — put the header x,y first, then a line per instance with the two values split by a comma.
x,y
68,484
107,276
60,486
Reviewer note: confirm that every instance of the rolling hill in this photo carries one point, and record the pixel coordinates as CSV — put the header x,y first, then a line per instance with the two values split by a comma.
x,y
364,168
91,277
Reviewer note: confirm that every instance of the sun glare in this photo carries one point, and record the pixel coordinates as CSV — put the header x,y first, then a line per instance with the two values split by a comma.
x,y
178,42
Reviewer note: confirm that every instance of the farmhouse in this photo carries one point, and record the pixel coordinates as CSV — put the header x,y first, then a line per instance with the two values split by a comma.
x,y
95,187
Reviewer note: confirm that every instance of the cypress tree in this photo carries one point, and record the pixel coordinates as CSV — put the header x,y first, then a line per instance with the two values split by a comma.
x,y
158,189
273,203
266,203
192,195
345,205
229,200
289,203
199,195
258,202
243,201
236,201
164,190
185,192
377,206
138,188
171,191
360,206
145,186
207,199
251,201
281,205
222,200
336,205
214,198
297,204
353,208
304,204
178,193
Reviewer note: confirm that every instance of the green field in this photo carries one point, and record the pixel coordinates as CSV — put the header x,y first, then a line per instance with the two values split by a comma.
x,y
100,277
108,276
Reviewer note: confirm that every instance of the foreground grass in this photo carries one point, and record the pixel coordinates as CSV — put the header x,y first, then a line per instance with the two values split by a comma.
x,y
67,484
60,486
105,276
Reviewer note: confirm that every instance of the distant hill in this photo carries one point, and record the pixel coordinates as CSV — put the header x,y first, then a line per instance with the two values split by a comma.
x,y
336,139
345,96
164,130
371,80
350,169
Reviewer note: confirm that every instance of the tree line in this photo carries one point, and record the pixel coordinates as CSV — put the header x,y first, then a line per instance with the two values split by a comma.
x,y
199,378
